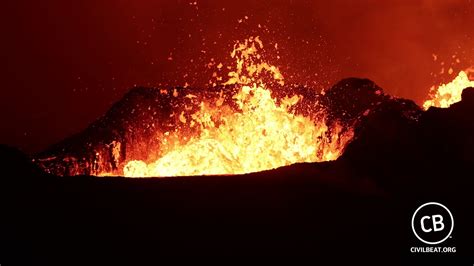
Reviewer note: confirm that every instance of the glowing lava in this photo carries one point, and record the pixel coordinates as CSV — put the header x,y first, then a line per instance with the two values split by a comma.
x,y
264,133
446,94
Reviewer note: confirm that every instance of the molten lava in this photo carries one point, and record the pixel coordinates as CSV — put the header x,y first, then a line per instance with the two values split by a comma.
x,y
446,94
263,133
245,122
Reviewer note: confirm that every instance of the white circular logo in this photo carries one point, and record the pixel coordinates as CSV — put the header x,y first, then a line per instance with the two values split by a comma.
x,y
432,223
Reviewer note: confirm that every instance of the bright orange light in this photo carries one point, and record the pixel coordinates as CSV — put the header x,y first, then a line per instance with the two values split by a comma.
x,y
446,94
264,133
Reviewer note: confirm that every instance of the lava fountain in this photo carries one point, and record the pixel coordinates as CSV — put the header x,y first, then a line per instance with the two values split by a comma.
x,y
446,94
247,120
262,132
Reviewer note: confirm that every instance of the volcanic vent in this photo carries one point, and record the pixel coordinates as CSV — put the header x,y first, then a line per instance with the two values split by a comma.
x,y
249,121
246,122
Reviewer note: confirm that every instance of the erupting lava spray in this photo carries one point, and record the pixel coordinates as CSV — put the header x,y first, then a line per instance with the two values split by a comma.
x,y
264,132
446,94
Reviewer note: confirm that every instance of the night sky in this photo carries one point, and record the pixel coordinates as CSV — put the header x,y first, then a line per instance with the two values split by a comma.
x,y
64,63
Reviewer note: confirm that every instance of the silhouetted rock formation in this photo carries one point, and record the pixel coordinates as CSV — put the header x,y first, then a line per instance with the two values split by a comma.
x,y
134,126
448,134
15,162
130,128
357,208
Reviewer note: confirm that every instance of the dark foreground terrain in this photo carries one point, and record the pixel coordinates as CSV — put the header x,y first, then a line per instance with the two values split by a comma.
x,y
356,210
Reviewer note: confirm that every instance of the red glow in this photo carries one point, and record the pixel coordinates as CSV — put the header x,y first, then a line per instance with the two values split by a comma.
x,y
67,62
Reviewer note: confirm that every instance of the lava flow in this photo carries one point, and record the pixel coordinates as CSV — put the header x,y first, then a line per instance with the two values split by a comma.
x,y
263,133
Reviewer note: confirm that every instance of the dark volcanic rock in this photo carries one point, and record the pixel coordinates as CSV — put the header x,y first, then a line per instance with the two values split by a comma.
x,y
397,139
132,128
359,206
387,129
13,161
351,97
447,134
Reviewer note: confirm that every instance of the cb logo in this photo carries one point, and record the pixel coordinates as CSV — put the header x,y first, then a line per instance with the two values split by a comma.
x,y
432,223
